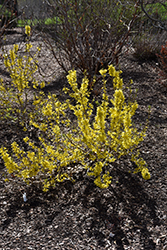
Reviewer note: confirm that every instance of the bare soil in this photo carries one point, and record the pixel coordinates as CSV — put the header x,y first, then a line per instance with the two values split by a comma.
x,y
130,214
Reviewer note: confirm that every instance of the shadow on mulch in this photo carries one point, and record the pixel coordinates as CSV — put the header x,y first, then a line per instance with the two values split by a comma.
x,y
135,202
133,197
4,73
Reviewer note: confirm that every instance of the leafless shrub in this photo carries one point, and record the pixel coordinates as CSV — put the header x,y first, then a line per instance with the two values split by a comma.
x,y
88,35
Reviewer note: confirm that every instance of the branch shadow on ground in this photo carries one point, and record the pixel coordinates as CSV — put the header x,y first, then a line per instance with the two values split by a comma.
x,y
136,205
123,208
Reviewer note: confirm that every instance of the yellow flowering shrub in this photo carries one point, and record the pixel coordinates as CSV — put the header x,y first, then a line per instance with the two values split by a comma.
x,y
89,141
14,98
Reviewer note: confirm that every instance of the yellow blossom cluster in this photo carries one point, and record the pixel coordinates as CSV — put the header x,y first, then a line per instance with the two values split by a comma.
x,y
91,141
27,30
14,97
21,69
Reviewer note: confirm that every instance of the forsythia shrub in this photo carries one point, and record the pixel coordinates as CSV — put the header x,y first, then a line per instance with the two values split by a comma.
x,y
91,141
14,98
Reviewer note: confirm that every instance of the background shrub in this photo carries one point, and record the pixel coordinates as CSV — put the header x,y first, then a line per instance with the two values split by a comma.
x,y
88,35
163,64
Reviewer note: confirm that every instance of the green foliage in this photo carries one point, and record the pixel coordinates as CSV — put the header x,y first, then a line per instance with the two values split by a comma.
x,y
157,10
35,22
22,23
91,142
4,11
49,21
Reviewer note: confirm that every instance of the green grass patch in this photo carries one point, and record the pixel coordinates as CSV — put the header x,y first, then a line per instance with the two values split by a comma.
x,y
47,21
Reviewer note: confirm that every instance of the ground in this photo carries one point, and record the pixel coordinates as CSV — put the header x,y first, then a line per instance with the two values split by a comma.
x,y
130,214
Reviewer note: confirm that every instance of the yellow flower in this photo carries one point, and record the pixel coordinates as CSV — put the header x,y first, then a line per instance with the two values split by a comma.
x,y
103,72
111,70
30,155
27,30
25,173
28,47
106,181
42,85
12,55
47,111
145,174
118,99
26,139
16,48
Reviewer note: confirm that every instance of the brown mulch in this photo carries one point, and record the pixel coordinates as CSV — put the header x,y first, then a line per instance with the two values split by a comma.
x,y
130,214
